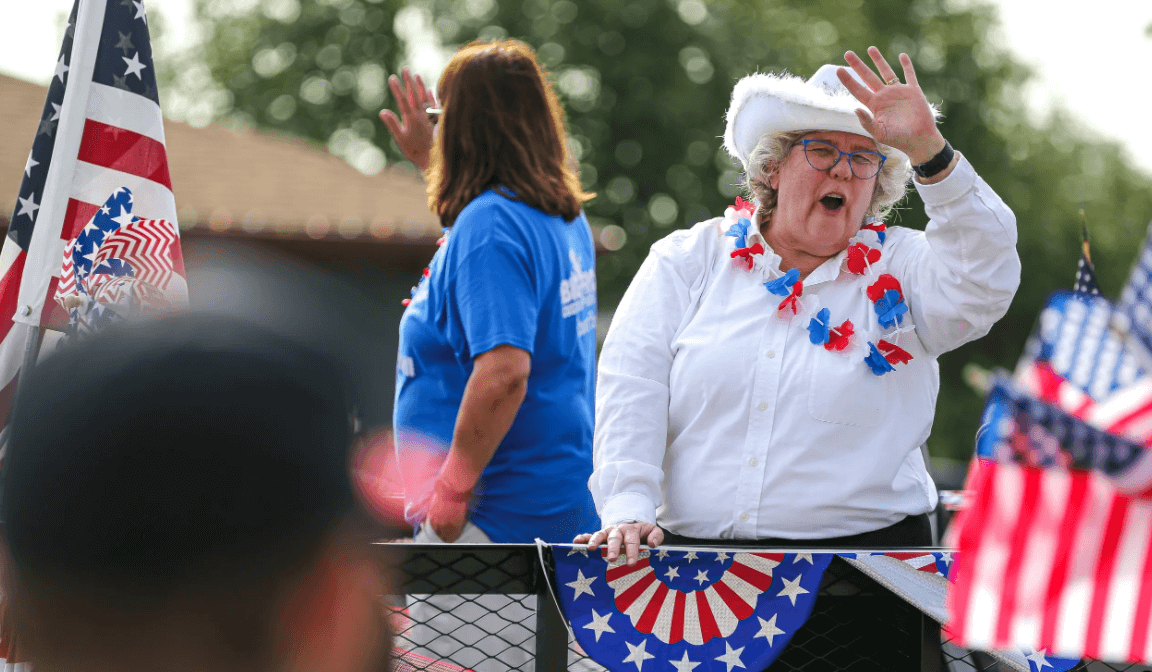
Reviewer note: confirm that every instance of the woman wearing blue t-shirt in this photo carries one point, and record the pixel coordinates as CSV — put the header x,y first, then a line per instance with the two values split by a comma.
x,y
498,344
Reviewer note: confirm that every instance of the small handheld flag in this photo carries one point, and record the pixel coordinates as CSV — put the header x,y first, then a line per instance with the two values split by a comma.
x,y
1085,273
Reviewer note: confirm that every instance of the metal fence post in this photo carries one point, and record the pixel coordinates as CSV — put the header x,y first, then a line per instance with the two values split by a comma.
x,y
551,632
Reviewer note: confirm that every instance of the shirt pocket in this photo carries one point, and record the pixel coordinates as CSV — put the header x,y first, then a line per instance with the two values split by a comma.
x,y
844,391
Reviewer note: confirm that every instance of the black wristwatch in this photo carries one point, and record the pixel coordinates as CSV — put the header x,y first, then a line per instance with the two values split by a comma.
x,y
937,163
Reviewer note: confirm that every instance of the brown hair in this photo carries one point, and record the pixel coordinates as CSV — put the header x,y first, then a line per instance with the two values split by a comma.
x,y
502,125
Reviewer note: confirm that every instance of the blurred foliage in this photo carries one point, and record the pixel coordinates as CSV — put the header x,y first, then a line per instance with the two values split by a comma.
x,y
646,84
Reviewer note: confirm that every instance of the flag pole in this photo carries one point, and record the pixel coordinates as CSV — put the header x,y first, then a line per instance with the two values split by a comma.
x,y
1084,235
31,353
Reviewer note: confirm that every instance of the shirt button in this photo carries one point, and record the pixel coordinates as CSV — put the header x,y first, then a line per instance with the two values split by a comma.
x,y
771,354
763,406
744,517
753,462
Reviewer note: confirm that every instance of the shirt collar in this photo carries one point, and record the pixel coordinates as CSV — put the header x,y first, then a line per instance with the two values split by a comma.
x,y
829,270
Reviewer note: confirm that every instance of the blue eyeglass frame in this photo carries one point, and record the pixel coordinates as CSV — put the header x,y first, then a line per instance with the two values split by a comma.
x,y
842,154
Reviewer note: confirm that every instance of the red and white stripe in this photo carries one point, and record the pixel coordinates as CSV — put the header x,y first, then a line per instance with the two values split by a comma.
x,y
145,244
1052,560
13,336
1127,413
695,616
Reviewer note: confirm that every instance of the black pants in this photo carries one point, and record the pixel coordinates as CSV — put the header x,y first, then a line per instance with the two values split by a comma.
x,y
912,531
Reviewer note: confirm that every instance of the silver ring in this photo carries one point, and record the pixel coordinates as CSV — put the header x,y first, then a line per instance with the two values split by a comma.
x,y
894,80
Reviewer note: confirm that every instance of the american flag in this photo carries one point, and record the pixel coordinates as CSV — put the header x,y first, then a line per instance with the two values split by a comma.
x,y
101,132
1054,548
1085,274
1055,561
1134,310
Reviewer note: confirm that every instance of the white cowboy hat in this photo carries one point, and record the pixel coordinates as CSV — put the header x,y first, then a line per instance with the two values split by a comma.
x,y
764,104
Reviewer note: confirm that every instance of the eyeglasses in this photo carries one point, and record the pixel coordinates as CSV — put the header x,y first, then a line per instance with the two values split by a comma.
x,y
822,155
433,114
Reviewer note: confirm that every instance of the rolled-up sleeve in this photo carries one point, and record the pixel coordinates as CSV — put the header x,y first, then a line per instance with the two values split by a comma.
x,y
963,271
632,384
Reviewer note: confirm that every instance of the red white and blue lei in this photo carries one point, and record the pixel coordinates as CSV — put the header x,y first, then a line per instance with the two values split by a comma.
x,y
865,258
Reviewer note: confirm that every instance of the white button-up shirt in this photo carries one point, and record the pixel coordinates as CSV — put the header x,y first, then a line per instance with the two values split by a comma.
x,y
717,419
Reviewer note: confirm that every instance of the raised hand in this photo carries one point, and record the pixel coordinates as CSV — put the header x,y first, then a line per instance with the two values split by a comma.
x,y
625,537
898,113
412,129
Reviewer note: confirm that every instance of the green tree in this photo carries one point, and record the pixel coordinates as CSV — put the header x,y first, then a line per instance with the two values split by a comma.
x,y
646,84
316,70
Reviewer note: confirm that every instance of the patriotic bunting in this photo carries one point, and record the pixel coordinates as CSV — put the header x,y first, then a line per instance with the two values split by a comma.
x,y
685,609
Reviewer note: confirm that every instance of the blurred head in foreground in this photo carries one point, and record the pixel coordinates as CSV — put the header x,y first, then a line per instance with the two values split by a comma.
x,y
176,495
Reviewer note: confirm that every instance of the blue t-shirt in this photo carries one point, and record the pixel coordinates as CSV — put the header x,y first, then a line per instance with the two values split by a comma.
x,y
509,274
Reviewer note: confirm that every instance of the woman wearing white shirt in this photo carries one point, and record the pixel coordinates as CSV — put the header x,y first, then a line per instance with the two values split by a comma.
x,y
771,376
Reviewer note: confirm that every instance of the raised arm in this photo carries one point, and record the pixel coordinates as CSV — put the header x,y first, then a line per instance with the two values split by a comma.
x,y
963,273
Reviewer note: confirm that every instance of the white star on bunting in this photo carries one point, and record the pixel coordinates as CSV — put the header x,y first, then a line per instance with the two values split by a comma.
x,y
661,554
1040,659
135,67
580,585
55,112
140,12
61,68
637,654
803,556
731,657
690,556
701,577
684,665
721,556
28,206
29,165
673,573
768,629
792,589
599,624
582,550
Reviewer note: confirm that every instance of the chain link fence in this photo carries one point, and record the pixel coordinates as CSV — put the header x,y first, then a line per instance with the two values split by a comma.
x,y
487,608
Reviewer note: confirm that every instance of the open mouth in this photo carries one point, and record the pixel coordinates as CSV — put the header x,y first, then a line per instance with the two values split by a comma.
x,y
832,202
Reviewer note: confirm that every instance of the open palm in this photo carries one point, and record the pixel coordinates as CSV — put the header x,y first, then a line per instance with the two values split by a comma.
x,y
412,129
898,115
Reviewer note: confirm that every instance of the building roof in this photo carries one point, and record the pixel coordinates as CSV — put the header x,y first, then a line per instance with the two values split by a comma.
x,y
253,184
